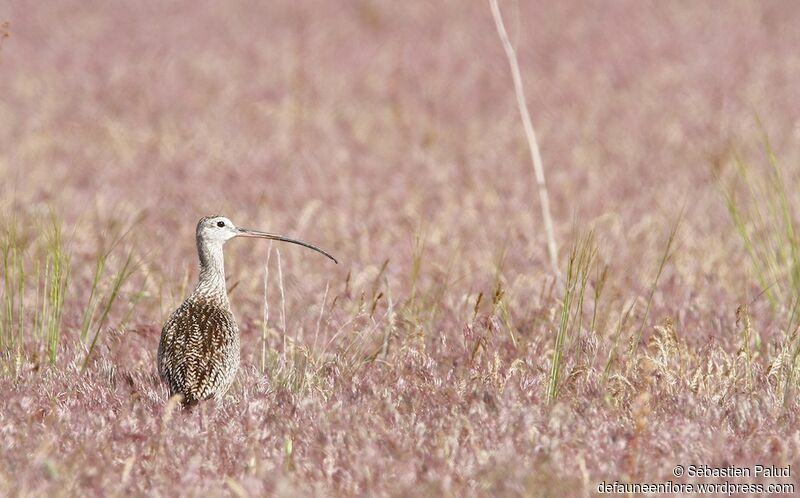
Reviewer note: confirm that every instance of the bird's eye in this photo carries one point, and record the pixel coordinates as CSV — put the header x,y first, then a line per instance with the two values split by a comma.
x,y
220,224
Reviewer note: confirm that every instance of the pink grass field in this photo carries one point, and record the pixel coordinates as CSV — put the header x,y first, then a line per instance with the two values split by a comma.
x,y
387,133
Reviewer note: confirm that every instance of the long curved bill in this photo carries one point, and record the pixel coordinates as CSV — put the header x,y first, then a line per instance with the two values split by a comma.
x,y
245,232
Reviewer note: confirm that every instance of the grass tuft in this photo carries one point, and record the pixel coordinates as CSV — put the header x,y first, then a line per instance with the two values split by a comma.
x,y
758,202
581,263
37,282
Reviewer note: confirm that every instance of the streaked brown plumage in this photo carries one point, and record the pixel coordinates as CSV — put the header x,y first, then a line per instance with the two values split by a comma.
x,y
199,350
198,355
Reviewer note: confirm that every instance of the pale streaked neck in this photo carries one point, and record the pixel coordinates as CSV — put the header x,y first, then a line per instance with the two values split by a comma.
x,y
211,284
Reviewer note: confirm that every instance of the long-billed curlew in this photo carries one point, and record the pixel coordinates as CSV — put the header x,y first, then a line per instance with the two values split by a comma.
x,y
198,354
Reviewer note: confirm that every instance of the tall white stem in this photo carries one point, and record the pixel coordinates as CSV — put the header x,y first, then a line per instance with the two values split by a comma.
x,y
530,134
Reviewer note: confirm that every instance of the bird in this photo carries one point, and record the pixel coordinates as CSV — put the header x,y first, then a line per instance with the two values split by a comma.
x,y
198,353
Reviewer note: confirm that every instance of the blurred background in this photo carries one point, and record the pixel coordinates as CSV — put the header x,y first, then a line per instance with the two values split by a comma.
x,y
376,118
358,124
388,133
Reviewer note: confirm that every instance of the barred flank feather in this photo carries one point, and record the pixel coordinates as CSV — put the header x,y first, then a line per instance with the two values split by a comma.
x,y
199,351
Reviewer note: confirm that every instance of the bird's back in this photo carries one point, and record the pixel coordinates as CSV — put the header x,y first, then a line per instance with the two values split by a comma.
x,y
198,354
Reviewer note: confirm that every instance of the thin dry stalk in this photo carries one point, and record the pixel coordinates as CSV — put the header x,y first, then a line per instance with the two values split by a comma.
x,y
283,303
743,321
530,135
662,263
389,323
319,318
265,325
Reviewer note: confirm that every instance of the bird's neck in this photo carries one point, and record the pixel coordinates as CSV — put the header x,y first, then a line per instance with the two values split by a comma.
x,y
211,284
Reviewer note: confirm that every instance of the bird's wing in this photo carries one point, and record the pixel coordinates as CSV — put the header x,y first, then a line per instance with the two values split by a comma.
x,y
199,350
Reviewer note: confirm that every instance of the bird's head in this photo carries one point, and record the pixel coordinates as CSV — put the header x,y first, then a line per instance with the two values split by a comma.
x,y
219,229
